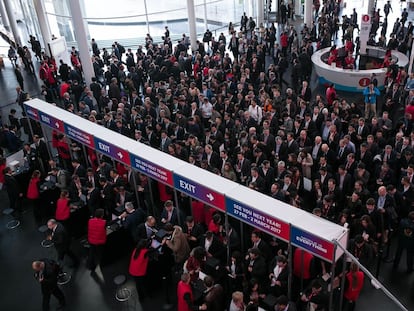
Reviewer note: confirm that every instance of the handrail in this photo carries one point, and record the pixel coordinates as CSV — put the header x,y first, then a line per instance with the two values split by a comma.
x,y
378,284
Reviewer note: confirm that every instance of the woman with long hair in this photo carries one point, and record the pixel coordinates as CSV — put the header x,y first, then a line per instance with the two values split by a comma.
x,y
138,267
354,282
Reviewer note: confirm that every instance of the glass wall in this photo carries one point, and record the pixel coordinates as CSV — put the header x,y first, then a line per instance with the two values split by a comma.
x,y
128,21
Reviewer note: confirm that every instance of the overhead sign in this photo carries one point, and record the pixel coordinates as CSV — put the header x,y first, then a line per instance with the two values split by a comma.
x,y
258,219
51,122
199,192
32,112
152,170
311,243
113,151
79,135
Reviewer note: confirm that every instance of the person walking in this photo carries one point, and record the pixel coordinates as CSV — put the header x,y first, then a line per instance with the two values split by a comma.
x,y
59,236
406,241
46,273
19,76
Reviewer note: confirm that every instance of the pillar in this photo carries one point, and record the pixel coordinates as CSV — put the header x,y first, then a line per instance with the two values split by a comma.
x,y
43,23
371,5
80,35
308,15
192,24
410,64
12,21
260,12
205,15
146,16
4,18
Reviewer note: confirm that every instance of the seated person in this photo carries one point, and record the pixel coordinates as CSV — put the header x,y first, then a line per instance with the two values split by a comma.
x,y
349,61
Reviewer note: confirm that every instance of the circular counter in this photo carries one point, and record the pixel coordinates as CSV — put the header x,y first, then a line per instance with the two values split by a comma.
x,y
353,80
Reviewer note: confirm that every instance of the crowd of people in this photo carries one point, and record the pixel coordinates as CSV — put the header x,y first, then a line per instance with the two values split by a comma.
x,y
233,117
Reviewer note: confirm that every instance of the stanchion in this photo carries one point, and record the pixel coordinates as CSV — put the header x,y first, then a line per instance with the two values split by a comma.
x,y
13,223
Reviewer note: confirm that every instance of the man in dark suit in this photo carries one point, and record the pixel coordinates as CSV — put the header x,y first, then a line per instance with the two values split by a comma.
x,y
61,240
365,156
78,169
344,182
279,275
213,159
256,181
305,92
93,198
292,145
47,272
280,151
242,168
41,152
256,266
131,218
268,174
171,214
194,231
13,189
257,242
146,230
342,153
213,246
107,195
122,196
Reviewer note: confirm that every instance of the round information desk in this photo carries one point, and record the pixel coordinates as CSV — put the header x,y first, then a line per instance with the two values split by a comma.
x,y
354,80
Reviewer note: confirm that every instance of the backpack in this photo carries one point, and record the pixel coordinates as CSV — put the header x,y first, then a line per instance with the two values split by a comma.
x,y
121,48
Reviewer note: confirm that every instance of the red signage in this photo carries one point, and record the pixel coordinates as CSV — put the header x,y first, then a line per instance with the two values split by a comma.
x,y
365,18
364,82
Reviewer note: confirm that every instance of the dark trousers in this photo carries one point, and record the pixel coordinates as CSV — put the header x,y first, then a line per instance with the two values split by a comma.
x,y
140,283
410,256
48,292
349,305
62,251
95,255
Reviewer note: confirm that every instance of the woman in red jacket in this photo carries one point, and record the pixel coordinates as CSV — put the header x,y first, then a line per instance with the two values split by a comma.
x,y
138,268
96,239
33,195
63,208
354,282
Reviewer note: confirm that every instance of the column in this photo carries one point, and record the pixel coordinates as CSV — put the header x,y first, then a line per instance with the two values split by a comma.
x,y
260,12
192,24
308,18
12,21
43,23
205,16
371,5
146,16
4,18
410,64
80,35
